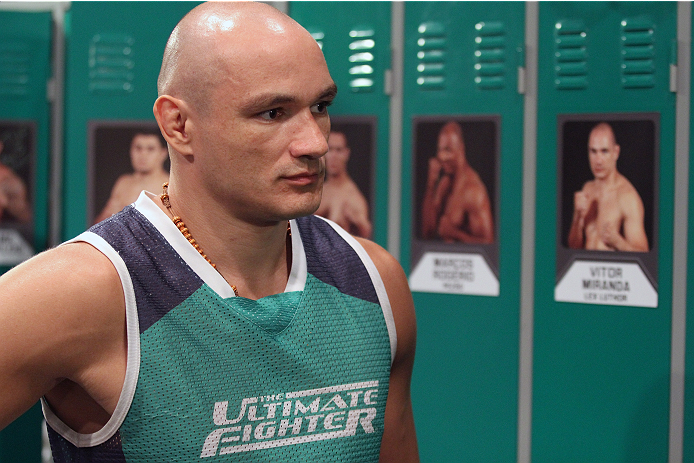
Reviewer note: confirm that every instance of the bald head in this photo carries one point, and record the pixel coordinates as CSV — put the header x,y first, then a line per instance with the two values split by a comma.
x,y
604,129
203,47
451,147
603,151
453,129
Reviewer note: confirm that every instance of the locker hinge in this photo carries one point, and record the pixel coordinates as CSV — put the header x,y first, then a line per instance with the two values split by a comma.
x,y
673,66
521,69
388,82
521,80
50,90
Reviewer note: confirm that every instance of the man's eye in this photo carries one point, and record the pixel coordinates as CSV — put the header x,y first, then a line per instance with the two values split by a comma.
x,y
320,108
270,115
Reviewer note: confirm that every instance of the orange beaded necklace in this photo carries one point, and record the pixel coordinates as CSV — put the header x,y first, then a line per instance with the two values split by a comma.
x,y
178,221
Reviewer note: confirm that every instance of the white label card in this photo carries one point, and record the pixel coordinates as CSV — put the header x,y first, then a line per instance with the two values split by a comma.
x,y
454,273
606,283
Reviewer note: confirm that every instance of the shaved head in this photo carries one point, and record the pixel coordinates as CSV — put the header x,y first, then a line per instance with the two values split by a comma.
x,y
453,129
605,129
203,47
451,147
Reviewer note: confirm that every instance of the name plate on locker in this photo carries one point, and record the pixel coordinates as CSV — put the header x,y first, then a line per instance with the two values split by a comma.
x,y
13,248
454,273
607,283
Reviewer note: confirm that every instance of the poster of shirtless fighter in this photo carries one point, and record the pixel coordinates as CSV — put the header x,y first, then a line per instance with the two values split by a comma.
x,y
455,174
607,206
348,188
125,157
17,159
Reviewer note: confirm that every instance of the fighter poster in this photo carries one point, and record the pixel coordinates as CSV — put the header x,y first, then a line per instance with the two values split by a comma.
x,y
607,200
455,242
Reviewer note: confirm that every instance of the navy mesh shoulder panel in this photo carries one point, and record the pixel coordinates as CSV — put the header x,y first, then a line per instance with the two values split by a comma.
x,y
322,243
64,452
156,270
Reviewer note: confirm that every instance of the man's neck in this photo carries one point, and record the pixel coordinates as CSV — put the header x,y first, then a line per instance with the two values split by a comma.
x,y
339,177
148,173
254,258
609,181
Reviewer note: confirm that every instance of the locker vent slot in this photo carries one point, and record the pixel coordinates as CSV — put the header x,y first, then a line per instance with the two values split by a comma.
x,y
111,63
490,55
638,53
15,65
431,56
361,56
570,55
317,34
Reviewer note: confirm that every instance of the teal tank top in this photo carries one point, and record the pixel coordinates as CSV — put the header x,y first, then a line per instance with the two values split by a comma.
x,y
299,376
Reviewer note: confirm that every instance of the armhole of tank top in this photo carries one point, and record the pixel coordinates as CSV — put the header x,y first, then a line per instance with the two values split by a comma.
x,y
299,270
133,361
377,282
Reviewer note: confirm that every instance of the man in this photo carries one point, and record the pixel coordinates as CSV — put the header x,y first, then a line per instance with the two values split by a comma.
x,y
145,353
14,204
456,205
608,211
342,201
147,157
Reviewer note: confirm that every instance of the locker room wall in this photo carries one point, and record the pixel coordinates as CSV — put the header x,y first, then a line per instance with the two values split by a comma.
x,y
601,376
25,50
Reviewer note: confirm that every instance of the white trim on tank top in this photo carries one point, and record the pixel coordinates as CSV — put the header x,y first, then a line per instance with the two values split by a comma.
x,y
133,362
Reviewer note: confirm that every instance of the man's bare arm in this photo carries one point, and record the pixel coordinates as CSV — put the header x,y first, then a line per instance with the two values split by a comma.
x,y
117,200
634,239
399,444
437,191
55,324
480,225
358,215
576,238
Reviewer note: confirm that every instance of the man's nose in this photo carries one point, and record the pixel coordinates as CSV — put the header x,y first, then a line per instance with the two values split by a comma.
x,y
310,137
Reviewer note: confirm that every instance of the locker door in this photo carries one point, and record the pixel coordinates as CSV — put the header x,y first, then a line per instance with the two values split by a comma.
x,y
114,52
602,317
461,65
25,68
357,50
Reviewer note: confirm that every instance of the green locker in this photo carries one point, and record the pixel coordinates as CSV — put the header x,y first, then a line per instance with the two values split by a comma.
x,y
602,318
25,70
462,62
114,52
357,50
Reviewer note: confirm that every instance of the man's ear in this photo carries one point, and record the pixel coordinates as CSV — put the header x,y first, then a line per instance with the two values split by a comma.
x,y
172,116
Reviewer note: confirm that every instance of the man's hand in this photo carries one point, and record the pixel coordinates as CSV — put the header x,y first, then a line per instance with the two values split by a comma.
x,y
581,204
610,235
435,168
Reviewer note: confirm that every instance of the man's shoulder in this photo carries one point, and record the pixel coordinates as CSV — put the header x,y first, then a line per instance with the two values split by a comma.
x,y
75,270
589,186
627,192
69,296
384,261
